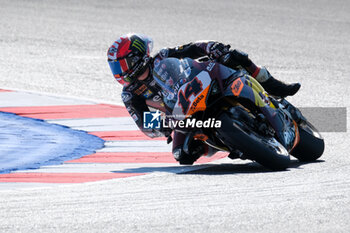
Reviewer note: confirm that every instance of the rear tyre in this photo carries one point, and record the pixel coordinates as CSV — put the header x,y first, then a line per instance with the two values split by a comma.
x,y
266,151
311,144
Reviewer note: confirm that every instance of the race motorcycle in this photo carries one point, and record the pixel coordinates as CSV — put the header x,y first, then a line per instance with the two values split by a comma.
x,y
230,111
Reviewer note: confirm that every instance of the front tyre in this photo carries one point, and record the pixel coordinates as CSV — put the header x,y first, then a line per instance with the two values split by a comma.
x,y
311,144
266,151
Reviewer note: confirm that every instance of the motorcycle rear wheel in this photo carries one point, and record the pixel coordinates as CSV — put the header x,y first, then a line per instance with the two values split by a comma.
x,y
266,151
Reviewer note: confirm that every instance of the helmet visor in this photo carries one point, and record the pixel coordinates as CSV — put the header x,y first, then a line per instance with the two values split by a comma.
x,y
121,68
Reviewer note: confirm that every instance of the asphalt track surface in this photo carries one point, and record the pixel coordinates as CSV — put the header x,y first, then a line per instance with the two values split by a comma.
x,y
59,47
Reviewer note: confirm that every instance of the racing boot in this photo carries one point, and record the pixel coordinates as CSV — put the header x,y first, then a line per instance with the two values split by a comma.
x,y
197,149
274,86
187,159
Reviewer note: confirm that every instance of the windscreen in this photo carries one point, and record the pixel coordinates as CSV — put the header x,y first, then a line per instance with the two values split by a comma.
x,y
171,74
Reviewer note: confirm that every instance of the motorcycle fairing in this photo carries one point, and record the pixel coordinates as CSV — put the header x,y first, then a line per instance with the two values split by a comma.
x,y
246,87
192,96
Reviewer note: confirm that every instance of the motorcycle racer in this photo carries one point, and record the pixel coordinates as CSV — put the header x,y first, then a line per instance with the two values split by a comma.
x,y
131,63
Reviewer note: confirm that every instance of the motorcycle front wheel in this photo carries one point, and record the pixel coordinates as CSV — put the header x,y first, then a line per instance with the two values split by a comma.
x,y
311,144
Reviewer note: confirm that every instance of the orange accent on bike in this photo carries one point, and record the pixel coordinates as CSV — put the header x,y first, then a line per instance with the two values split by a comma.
x,y
297,135
201,137
198,104
237,87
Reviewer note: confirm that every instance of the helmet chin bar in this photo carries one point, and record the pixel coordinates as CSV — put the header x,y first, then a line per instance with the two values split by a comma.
x,y
139,70
149,73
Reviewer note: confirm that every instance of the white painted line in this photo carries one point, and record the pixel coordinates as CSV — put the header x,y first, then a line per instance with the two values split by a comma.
x,y
23,99
136,146
99,124
23,185
106,168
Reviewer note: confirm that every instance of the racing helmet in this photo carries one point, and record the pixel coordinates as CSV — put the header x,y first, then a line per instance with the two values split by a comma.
x,y
129,57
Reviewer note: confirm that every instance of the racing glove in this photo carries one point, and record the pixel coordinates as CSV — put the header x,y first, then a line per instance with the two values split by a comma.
x,y
215,49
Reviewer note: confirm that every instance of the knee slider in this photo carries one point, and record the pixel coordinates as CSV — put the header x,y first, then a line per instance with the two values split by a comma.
x,y
179,153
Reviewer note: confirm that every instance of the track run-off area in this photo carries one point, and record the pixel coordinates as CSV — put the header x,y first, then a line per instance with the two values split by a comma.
x,y
54,147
